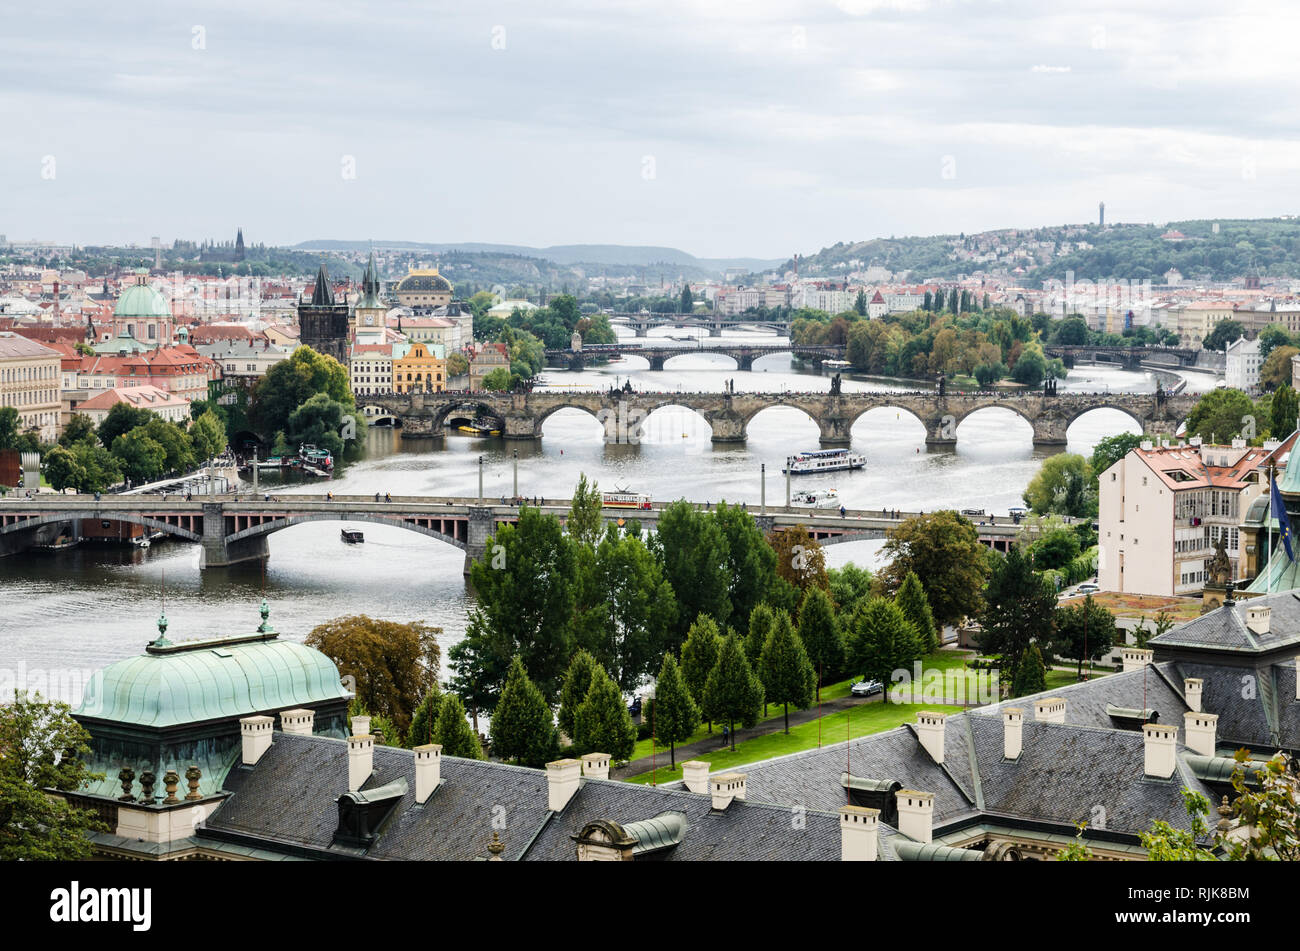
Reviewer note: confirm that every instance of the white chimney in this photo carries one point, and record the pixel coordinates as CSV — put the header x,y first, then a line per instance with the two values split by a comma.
x,y
361,760
1199,730
360,726
1013,724
1147,445
300,722
1257,618
1135,658
255,732
1192,692
562,777
1049,710
727,787
596,765
929,730
1159,745
695,773
859,833
915,814
428,770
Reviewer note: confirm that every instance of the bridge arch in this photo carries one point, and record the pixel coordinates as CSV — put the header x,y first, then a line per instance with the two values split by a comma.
x,y
656,425
470,408
391,521
1133,417
899,408
378,415
53,518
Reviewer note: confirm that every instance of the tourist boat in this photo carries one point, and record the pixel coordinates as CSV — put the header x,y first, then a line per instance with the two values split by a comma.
x,y
480,427
141,542
818,499
352,537
316,458
836,364
823,460
623,499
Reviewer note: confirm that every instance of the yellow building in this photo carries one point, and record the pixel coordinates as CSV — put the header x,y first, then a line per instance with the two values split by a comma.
x,y
31,382
419,367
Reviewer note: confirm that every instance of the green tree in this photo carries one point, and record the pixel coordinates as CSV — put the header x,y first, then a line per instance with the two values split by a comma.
x,y
602,723
79,429
820,633
1063,485
1018,608
424,720
140,456
45,748
848,586
1111,449
292,382
944,551
761,620
121,419
523,728
860,303
394,664
881,640
1276,369
453,730
208,435
177,448
1054,549
1224,333
318,422
1084,631
1272,337
1030,674
62,470
498,379
477,676
687,301
675,716
586,520
700,656
751,561
1284,410
1220,414
733,691
8,427
911,600
577,681
787,673
693,552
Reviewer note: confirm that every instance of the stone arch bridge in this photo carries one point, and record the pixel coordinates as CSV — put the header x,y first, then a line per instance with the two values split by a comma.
x,y
743,354
729,414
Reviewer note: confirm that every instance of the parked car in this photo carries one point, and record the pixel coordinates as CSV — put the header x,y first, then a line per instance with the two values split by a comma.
x,y
634,708
865,688
1088,587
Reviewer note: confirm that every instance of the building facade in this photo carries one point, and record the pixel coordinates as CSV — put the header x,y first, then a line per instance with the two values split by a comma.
x,y
1241,365
423,288
323,322
419,368
30,382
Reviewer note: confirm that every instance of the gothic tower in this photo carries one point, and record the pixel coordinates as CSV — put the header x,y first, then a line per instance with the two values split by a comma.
x,y
370,311
323,323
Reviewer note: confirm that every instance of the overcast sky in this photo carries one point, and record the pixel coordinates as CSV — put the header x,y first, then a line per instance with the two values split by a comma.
x,y
750,127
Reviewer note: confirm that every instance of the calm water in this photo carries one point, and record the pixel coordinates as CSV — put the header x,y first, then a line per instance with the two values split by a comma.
x,y
80,609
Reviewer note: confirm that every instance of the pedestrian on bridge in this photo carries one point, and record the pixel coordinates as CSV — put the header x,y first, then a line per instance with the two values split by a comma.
x,y
842,511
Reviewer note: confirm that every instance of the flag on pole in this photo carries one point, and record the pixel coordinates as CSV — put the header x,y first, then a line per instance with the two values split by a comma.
x,y
1283,521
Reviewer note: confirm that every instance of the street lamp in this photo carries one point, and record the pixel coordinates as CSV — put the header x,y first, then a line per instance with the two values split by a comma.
x,y
480,480
516,473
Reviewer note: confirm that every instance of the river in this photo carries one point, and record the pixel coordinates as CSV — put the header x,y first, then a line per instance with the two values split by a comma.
x,y
74,611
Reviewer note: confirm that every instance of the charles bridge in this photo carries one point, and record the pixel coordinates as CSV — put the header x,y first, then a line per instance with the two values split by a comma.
x,y
743,354
642,324
622,413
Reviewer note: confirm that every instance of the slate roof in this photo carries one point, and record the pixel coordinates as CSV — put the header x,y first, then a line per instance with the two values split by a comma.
x,y
1224,628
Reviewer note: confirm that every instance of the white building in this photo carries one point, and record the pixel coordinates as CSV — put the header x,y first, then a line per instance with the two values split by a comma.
x,y
170,406
1242,365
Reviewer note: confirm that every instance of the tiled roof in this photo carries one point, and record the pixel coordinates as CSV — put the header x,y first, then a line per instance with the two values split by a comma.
x,y
1224,628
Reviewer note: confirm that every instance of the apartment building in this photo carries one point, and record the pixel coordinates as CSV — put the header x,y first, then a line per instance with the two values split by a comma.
x,y
30,376
1242,365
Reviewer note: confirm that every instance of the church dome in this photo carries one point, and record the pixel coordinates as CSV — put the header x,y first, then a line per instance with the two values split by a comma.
x,y
428,281
141,300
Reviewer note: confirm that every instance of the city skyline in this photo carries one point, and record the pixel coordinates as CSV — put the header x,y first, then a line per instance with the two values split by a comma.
x,y
759,132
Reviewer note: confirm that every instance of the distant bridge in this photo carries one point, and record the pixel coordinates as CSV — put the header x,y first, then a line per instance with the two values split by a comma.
x,y
1131,358
644,323
522,415
233,530
743,354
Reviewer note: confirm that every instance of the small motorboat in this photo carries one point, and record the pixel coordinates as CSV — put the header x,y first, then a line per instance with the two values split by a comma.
x,y
352,537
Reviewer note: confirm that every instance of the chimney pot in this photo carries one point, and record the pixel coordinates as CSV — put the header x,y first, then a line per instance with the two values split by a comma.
x,y
1199,731
300,721
726,787
361,760
255,734
562,778
859,833
929,730
1136,658
695,774
1159,749
1013,724
1258,618
915,814
1049,710
360,725
1192,692
596,765
428,770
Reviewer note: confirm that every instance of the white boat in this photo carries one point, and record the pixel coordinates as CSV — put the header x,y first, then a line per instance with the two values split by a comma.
x,y
818,499
824,460
836,364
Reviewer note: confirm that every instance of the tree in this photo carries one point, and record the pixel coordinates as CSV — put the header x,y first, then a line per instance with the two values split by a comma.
x,y
944,551
693,552
457,365
586,521
881,640
820,633
1071,332
8,427
318,421
699,656
1054,549
477,676
1031,367
425,718
208,435
394,664
453,730
45,748
688,300
602,722
912,602
860,304
751,561
525,587
523,728
140,456
986,374
733,691
787,673
121,419
1277,368
1018,608
79,429
799,558
1283,411
675,716
761,620
1084,631
848,586
1030,674
62,470
1220,414
1272,337
292,382
177,448
1224,333
498,379
1111,449
1063,485
577,681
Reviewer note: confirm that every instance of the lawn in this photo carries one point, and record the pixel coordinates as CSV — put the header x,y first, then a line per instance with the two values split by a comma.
x,y
858,721
1144,605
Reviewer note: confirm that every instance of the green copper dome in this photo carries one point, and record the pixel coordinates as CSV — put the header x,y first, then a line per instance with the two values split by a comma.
x,y
141,300
197,681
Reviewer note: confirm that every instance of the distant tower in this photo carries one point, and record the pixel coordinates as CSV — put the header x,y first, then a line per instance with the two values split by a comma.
x,y
157,253
239,244
323,323
1101,214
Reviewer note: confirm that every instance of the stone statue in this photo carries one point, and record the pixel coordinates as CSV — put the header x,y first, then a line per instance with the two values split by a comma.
x,y
1219,569
835,385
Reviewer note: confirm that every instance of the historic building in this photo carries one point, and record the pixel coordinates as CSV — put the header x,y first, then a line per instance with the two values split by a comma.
x,y
370,311
423,288
143,314
30,382
323,322
419,368
483,359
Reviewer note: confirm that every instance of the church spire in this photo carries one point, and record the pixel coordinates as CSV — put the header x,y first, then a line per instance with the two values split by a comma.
x,y
370,282
322,295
